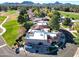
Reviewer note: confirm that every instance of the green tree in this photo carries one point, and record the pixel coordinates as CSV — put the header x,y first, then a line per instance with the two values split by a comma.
x,y
23,18
54,22
56,13
28,25
23,11
42,14
50,14
67,22
37,13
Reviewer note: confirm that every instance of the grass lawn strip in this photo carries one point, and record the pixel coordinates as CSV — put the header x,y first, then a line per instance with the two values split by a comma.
x,y
70,14
2,18
12,32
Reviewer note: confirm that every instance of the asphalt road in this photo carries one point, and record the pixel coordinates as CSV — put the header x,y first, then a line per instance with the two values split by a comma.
x,y
5,51
1,42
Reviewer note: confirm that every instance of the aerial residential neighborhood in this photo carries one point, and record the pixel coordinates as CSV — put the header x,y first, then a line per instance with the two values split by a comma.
x,y
42,29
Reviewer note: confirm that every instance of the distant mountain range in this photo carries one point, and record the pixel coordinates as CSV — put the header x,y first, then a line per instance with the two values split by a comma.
x,y
29,3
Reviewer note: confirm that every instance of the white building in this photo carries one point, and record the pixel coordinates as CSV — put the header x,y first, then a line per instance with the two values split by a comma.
x,y
37,36
39,33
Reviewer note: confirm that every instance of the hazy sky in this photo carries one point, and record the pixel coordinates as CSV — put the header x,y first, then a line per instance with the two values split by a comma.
x,y
43,1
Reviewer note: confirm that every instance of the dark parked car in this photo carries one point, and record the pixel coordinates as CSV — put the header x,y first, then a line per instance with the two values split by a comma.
x,y
17,51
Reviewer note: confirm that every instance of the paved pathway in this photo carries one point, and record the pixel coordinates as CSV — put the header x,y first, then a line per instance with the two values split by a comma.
x,y
77,53
3,45
3,29
5,51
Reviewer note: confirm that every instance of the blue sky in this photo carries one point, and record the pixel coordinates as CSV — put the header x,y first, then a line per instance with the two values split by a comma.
x,y
43,1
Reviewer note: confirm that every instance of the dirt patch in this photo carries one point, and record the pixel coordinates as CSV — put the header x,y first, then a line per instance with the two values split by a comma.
x,y
12,16
22,30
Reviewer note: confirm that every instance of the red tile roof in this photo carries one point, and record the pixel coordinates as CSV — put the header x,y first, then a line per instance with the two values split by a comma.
x,y
38,27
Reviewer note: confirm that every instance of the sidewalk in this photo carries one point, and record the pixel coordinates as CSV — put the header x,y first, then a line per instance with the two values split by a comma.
x,y
4,30
77,53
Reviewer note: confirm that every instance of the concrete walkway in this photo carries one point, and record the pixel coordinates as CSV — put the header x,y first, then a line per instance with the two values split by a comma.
x,y
77,53
3,45
3,29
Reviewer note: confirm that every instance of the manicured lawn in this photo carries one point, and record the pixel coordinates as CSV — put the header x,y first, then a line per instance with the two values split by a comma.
x,y
70,14
11,26
12,32
76,39
2,18
11,11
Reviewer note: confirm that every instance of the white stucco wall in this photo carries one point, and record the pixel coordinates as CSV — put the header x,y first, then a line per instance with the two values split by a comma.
x,y
37,35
